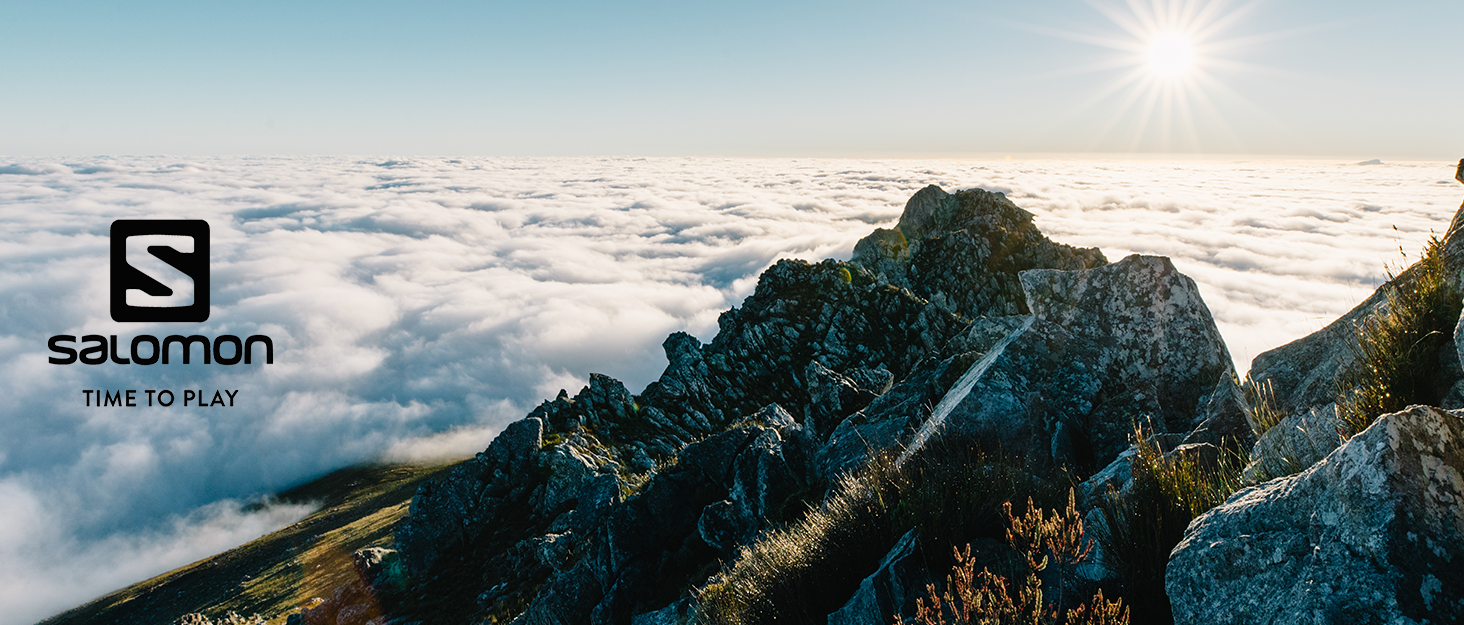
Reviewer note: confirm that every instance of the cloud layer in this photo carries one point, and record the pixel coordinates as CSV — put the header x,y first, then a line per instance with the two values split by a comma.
x,y
419,304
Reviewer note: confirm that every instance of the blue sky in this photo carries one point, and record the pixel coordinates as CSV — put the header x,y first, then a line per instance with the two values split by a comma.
x,y
1303,77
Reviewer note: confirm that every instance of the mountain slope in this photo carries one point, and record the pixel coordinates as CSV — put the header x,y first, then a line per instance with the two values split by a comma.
x,y
278,573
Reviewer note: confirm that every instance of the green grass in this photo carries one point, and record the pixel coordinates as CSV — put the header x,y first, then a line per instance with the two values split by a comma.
x,y
278,573
1260,406
949,492
1397,349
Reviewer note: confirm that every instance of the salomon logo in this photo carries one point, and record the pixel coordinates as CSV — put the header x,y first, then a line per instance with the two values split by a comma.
x,y
160,270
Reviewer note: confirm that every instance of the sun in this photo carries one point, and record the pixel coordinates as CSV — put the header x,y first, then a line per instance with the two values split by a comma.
x,y
1168,59
1170,55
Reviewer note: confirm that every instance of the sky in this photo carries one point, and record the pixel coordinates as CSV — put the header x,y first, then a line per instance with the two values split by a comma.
x,y
1328,78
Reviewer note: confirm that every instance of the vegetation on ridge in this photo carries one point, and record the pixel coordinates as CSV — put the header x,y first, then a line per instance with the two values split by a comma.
x,y
1142,525
281,572
949,491
1398,349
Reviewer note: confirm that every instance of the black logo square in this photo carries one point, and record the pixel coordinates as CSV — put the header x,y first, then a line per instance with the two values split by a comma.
x,y
192,264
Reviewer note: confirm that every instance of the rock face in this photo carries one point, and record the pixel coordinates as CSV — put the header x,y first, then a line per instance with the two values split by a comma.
x,y
1150,339
1304,371
963,252
1373,533
445,515
690,516
893,584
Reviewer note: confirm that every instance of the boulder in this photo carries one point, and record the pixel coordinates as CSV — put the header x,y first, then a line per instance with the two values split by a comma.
x,y
1028,396
833,395
380,569
891,418
891,589
568,467
1373,533
1147,335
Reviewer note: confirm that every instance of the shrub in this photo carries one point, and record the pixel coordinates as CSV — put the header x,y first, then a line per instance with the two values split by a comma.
x,y
1143,524
983,598
1397,349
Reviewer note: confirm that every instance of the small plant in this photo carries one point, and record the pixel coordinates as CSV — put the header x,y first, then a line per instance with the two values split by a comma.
x,y
971,597
1397,349
1143,524
1260,406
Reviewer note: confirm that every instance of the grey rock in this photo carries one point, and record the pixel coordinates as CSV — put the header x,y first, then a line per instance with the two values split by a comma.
x,y
443,515
381,570
890,590
833,396
569,466
680,613
1031,399
1295,443
1150,338
962,252
553,550
891,418
1304,372
1370,534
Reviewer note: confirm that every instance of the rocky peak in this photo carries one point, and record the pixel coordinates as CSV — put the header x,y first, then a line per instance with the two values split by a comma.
x,y
963,252
962,319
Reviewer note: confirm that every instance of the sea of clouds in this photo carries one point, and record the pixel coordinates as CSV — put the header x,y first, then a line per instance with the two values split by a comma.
x,y
419,304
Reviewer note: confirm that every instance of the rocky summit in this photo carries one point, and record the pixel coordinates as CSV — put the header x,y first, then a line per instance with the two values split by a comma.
x,y
836,400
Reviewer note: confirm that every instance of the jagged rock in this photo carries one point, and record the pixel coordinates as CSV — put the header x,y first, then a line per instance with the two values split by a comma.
x,y
1304,372
1373,533
1030,400
833,396
964,251
766,475
833,313
570,465
860,351
662,539
356,614
380,569
890,590
1131,340
447,514
891,418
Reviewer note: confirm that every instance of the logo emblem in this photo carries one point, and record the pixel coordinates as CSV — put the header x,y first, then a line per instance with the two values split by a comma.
x,y
168,258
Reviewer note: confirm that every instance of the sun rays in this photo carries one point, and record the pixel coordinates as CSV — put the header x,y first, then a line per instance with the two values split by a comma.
x,y
1166,54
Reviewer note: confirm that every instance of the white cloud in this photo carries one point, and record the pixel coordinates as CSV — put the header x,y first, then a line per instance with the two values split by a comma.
x,y
417,305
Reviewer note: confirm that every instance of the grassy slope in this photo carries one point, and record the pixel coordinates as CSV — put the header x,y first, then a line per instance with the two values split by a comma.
x,y
281,572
